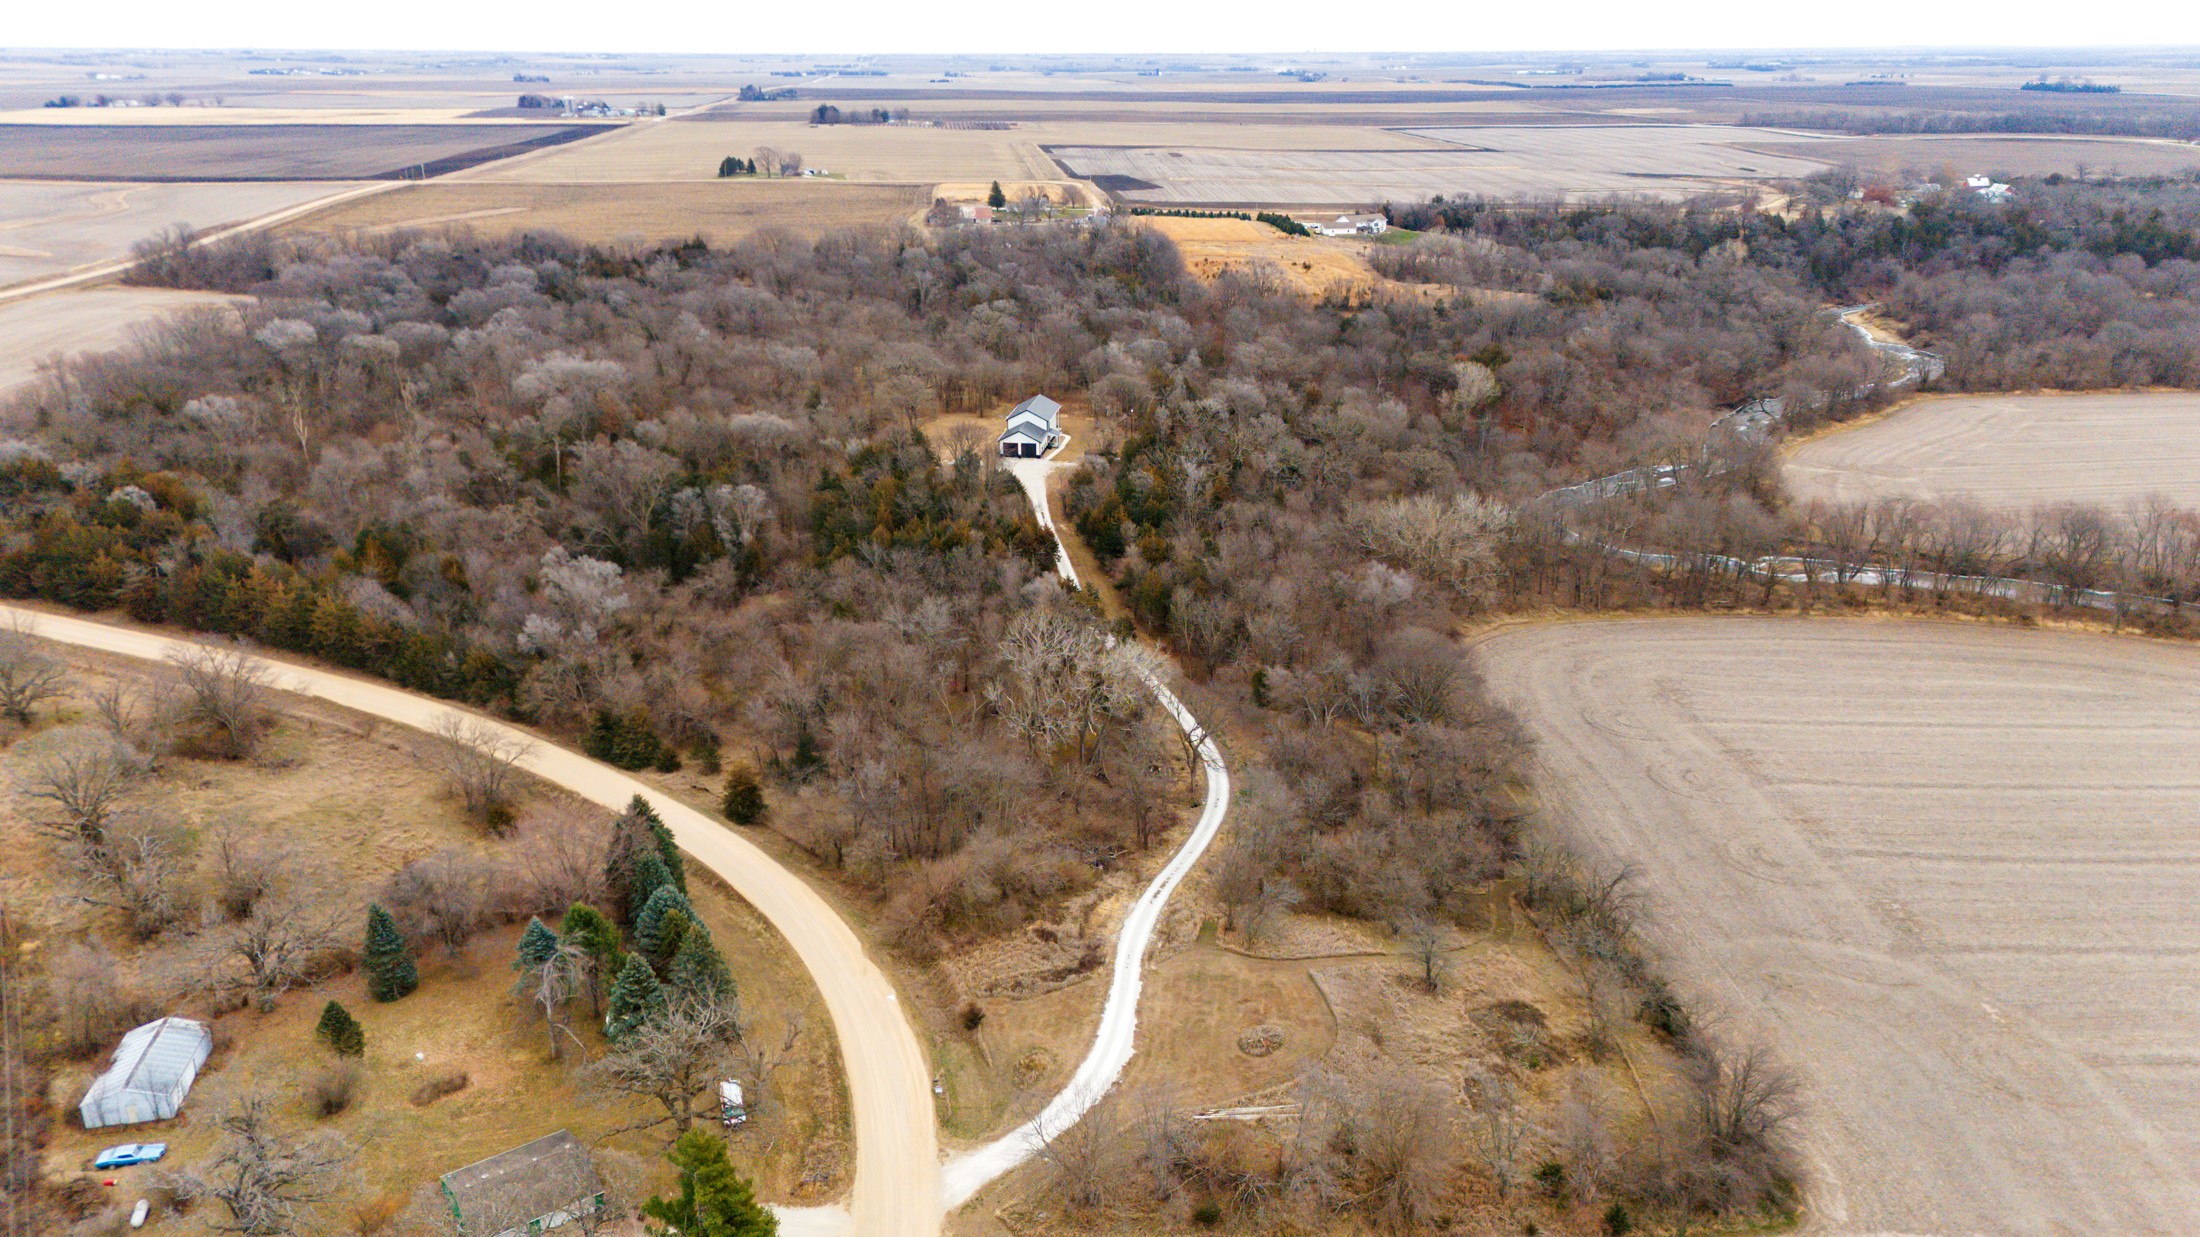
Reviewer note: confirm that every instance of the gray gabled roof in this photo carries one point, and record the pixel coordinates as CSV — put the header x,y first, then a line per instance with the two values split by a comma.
x,y
1028,432
526,1182
1039,405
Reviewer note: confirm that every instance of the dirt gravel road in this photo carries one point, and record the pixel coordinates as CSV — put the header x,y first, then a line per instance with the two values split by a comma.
x,y
2013,451
1952,871
897,1177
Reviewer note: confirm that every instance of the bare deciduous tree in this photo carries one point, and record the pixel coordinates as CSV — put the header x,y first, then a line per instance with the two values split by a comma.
x,y
1426,943
284,942
225,692
1086,1160
143,869
1499,1127
29,675
440,898
86,776
480,762
675,1059
268,1181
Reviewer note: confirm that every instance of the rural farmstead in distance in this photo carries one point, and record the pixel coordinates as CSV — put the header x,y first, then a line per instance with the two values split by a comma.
x,y
1008,637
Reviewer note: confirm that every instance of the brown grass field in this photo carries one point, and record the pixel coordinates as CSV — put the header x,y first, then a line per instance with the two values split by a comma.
x,y
2012,451
51,227
352,797
1315,265
1948,869
227,152
84,320
719,210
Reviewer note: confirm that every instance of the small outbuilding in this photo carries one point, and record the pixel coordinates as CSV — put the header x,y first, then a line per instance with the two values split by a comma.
x,y
531,1189
152,1071
1034,428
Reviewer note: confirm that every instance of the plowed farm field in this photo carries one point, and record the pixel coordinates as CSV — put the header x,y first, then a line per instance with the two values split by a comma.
x,y
49,227
1951,871
2013,451
1541,161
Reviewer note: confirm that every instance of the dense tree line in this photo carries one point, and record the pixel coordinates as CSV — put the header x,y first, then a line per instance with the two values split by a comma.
x,y
681,499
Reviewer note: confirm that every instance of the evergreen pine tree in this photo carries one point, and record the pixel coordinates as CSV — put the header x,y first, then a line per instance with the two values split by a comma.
x,y
636,997
698,969
649,877
714,1200
389,961
650,934
668,850
671,933
537,945
340,1031
744,801
995,198
728,166
596,936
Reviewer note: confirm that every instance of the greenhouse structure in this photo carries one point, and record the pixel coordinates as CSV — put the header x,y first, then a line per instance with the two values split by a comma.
x,y
152,1072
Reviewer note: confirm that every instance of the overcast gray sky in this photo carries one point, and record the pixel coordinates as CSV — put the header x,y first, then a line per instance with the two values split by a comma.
x,y
826,26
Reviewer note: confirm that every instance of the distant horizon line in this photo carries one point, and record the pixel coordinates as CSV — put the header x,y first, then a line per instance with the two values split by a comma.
x,y
1424,55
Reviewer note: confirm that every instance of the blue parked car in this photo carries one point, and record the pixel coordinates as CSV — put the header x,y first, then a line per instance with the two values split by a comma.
x,y
130,1153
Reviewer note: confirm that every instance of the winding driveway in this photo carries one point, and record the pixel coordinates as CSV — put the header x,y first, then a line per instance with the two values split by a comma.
x,y
1116,1040
897,1177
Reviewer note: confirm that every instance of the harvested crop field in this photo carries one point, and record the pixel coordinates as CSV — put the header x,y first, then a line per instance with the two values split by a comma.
x,y
690,150
2013,451
1659,160
719,211
1949,869
1932,156
222,152
48,227
84,320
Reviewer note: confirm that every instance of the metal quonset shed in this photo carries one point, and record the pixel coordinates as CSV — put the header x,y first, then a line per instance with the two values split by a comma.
x,y
152,1072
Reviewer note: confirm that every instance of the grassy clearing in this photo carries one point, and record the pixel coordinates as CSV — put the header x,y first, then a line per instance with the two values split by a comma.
x,y
350,796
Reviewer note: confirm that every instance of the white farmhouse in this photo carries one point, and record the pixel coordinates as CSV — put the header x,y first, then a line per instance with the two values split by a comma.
x,y
1034,428
153,1070
1351,225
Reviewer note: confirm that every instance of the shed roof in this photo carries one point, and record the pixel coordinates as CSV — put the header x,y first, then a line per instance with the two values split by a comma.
x,y
156,1057
526,1182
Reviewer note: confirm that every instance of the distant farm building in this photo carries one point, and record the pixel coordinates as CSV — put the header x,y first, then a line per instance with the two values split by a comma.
x,y
1350,225
153,1070
543,1185
1034,428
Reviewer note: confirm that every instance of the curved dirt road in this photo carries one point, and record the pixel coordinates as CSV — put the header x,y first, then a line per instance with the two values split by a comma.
x,y
897,1178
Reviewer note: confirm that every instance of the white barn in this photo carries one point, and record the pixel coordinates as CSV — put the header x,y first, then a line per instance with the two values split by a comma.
x,y
1034,428
153,1070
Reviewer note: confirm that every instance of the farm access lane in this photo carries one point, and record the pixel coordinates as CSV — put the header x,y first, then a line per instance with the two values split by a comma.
x,y
1115,1039
897,1174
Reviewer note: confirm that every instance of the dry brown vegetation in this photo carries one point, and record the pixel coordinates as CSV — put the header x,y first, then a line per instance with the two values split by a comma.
x,y
268,864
